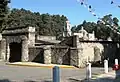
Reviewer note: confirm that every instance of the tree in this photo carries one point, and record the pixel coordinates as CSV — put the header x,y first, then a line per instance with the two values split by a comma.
x,y
115,21
3,13
46,24
107,19
73,29
102,31
22,17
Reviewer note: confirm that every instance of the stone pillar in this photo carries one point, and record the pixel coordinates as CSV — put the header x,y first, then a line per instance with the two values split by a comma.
x,y
31,37
25,56
8,52
106,66
88,71
74,57
76,41
47,55
3,50
116,61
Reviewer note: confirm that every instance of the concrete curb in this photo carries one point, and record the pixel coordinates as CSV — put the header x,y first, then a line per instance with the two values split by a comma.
x,y
29,64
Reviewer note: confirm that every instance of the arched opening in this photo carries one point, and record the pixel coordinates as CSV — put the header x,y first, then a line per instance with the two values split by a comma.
x,y
15,52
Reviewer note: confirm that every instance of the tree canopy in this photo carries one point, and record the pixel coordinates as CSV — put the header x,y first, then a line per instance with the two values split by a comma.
x,y
45,24
53,25
4,10
102,31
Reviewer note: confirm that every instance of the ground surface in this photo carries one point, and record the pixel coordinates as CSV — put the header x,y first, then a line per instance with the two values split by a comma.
x,y
10,73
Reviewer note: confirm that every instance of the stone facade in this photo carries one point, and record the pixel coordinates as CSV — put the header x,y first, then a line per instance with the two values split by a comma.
x,y
24,36
25,55
31,37
84,35
36,54
47,55
75,50
89,53
74,58
3,50
60,55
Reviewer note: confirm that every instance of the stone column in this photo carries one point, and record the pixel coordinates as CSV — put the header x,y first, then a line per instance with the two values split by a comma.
x,y
3,50
74,57
25,56
47,55
31,36
8,52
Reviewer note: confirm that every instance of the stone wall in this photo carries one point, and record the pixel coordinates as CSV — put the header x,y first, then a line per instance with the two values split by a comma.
x,y
3,50
74,60
85,54
31,37
60,55
94,52
36,54
47,54
40,54
39,37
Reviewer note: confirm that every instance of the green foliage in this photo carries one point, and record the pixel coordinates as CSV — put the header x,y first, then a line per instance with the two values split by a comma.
x,y
102,31
3,13
53,25
115,20
73,29
45,24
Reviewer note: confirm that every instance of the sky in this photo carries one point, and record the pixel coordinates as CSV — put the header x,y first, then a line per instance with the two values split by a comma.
x,y
70,8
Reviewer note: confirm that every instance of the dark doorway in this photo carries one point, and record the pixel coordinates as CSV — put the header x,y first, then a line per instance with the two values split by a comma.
x,y
15,52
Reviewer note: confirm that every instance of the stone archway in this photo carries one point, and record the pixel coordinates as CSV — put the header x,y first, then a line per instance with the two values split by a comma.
x,y
15,52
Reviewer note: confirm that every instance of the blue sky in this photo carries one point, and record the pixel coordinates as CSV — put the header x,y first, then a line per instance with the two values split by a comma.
x,y
70,8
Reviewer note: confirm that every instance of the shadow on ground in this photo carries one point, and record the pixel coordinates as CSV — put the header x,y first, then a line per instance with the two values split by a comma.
x,y
5,80
74,80
30,81
96,80
37,81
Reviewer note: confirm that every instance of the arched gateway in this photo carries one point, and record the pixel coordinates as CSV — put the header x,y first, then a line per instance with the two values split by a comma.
x,y
18,41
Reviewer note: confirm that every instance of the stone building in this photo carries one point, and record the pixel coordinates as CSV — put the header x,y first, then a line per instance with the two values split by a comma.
x,y
84,35
23,44
17,42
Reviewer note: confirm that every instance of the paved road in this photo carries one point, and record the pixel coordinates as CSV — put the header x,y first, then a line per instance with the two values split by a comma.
x,y
10,73
113,76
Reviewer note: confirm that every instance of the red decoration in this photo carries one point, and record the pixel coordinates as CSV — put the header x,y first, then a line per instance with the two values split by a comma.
x,y
116,67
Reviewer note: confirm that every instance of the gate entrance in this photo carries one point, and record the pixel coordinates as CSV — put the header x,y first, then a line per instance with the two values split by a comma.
x,y
15,52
